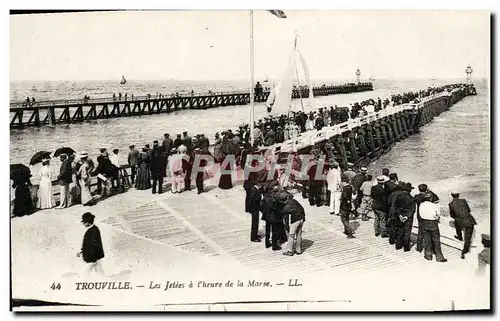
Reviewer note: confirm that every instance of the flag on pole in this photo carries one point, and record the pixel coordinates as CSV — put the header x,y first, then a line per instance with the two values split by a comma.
x,y
278,13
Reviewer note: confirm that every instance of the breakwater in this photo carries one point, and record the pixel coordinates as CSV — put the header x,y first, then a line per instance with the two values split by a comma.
x,y
75,111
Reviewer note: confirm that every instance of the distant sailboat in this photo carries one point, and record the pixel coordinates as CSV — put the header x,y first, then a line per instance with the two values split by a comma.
x,y
123,81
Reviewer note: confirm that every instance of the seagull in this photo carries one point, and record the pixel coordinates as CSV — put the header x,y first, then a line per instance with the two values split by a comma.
x,y
211,46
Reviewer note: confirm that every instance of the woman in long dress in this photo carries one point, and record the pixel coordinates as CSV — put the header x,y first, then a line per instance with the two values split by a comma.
x,y
45,196
23,204
143,174
84,180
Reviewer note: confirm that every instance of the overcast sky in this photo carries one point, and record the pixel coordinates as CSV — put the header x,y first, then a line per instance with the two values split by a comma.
x,y
209,45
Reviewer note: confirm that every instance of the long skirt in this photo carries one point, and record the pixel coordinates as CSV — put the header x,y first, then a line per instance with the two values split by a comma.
x,y
85,192
143,180
45,198
225,181
22,203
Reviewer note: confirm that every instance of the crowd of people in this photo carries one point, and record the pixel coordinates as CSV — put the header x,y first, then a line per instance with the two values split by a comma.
x,y
149,165
352,195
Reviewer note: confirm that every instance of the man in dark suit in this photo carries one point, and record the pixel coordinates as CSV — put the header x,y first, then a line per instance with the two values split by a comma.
x,y
92,250
315,184
271,215
346,207
357,181
158,167
178,141
255,198
404,209
460,211
379,206
65,177
106,169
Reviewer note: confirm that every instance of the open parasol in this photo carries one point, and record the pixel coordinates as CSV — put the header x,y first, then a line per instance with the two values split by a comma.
x,y
64,150
19,170
38,157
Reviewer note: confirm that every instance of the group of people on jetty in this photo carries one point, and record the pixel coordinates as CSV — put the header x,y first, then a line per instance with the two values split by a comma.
x,y
348,194
351,195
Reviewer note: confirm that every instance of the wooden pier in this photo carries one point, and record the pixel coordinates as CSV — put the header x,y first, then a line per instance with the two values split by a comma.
x,y
76,111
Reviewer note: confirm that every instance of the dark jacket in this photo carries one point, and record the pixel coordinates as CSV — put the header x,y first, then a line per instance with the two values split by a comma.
x,y
379,198
390,187
460,211
405,205
92,245
254,199
270,209
65,173
158,163
178,142
346,198
105,167
295,210
133,157
357,181
391,200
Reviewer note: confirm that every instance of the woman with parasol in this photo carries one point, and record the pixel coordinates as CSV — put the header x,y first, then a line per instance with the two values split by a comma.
x,y
45,197
20,175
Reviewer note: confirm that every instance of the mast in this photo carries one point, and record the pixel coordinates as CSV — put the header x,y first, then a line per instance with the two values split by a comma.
x,y
252,76
297,75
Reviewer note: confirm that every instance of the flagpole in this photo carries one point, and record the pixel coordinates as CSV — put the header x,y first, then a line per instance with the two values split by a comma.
x,y
252,80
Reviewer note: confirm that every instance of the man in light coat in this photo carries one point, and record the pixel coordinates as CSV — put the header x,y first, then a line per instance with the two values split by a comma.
x,y
333,178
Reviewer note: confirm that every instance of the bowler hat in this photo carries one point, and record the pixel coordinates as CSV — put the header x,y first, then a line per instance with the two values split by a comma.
x,y
102,150
87,217
131,146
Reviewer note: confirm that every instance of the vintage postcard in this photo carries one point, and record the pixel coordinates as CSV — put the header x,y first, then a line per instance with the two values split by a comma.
x,y
250,160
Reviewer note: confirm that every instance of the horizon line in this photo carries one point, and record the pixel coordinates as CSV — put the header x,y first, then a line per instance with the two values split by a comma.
x,y
237,80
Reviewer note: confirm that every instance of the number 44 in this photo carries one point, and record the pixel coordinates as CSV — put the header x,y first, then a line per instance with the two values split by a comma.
x,y
55,286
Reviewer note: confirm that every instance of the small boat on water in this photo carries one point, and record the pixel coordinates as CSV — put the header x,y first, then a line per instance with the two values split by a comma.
x,y
371,78
123,81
